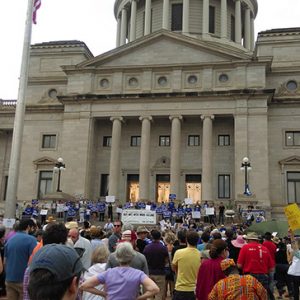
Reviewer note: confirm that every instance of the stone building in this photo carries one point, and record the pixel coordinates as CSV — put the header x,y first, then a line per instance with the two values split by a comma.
x,y
186,94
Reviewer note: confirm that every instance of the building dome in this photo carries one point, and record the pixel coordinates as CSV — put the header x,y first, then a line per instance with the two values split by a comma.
x,y
225,20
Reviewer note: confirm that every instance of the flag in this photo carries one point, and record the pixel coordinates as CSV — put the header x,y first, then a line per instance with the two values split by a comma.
x,y
37,4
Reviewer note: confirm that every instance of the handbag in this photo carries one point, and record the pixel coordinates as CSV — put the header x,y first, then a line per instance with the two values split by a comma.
x,y
294,268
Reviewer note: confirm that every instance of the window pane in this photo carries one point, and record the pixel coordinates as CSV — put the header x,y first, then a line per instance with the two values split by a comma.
x,y
292,176
291,192
224,186
176,17
45,183
107,141
49,141
211,19
297,185
297,139
164,141
289,141
104,185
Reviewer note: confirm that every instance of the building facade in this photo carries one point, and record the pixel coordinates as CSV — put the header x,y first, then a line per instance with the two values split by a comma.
x,y
186,94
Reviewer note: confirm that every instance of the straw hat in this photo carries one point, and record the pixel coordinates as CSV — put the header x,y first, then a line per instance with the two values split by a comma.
x,y
239,242
71,224
50,219
251,236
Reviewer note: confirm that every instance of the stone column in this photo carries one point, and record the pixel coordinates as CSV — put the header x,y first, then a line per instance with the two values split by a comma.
x,y
185,16
147,28
247,43
133,21
118,32
166,8
207,158
238,22
114,165
224,19
175,154
145,157
252,32
205,17
123,27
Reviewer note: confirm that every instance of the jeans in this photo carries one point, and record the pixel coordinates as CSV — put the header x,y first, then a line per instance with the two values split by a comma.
x,y
265,281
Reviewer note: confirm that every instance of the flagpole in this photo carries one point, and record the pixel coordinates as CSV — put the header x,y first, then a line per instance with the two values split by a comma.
x,y
14,165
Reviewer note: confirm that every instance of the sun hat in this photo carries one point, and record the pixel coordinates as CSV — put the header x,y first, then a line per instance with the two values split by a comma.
x,y
251,236
276,240
60,260
239,242
50,219
142,229
71,225
227,263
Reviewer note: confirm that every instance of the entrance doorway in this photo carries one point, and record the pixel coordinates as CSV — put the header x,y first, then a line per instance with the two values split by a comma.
x,y
162,188
193,187
133,188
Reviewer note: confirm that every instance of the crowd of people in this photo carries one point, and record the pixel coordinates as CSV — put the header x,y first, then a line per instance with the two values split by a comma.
x,y
72,260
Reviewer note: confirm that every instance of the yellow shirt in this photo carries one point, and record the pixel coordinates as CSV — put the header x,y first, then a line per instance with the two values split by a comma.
x,y
188,262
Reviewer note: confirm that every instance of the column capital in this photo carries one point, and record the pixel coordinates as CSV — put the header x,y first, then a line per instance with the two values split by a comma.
x,y
141,118
212,117
172,117
121,119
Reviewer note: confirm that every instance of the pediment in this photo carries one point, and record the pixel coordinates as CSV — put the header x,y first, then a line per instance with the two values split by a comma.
x,y
165,48
45,160
292,160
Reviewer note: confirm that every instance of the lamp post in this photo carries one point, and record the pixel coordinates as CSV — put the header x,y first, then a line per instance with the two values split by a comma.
x,y
59,166
246,166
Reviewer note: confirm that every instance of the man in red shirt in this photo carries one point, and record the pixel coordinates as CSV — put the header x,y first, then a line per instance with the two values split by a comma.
x,y
268,243
255,259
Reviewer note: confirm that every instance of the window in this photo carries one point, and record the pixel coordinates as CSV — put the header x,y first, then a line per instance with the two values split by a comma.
x,y
211,25
135,141
292,138
224,186
164,141
104,185
45,183
194,140
176,17
293,187
224,140
49,141
107,141
232,28
5,187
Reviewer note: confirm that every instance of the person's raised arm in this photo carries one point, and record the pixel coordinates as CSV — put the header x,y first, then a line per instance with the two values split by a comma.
x,y
150,289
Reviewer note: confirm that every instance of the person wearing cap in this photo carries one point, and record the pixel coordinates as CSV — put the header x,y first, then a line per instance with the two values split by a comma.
x,y
236,286
55,271
255,259
122,282
142,240
138,262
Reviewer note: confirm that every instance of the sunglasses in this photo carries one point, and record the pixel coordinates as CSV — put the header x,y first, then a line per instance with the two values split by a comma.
x,y
117,225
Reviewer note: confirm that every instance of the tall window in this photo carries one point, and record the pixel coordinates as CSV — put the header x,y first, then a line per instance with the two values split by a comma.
x,y
224,186
5,187
211,24
176,17
224,140
293,187
49,141
45,183
194,140
232,28
107,141
135,141
164,141
292,138
104,185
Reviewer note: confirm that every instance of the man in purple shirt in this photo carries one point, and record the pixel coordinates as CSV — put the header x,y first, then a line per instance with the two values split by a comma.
x,y
157,257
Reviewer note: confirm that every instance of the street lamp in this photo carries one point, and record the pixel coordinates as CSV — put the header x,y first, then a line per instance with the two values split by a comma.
x,y
246,167
59,166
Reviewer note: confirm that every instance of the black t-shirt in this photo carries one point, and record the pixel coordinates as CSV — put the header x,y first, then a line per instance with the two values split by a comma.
x,y
221,209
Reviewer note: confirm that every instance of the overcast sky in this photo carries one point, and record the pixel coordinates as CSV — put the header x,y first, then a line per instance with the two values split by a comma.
x,y
93,22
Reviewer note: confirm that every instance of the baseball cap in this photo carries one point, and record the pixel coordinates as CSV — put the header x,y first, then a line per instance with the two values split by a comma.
x,y
62,261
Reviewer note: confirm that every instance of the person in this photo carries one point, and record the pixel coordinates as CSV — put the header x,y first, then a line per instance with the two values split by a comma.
x,y
123,282
138,261
181,236
210,270
142,240
236,286
109,225
54,273
2,274
113,239
205,237
221,213
17,251
96,234
255,259
185,264
110,211
237,244
99,259
157,257
294,269
82,246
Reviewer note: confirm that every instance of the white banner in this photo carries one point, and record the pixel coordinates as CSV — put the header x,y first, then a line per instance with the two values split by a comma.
x,y
139,216
9,223
60,207
44,212
196,215
110,199
188,201
210,211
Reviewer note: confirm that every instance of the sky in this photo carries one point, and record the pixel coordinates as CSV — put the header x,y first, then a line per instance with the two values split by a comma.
x,y
93,22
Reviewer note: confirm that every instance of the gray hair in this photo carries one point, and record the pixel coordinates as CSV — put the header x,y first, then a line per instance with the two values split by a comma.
x,y
124,253
127,226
